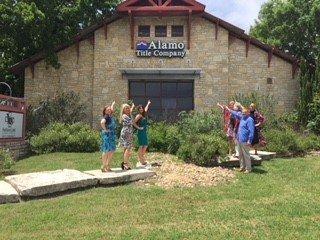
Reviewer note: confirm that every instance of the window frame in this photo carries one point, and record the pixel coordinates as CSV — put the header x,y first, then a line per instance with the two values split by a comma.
x,y
176,26
160,26
144,26
161,108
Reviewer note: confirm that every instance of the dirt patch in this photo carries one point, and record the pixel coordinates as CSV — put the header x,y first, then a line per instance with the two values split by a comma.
x,y
174,173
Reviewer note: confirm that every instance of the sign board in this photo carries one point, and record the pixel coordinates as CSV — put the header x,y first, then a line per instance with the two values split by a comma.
x,y
160,49
11,125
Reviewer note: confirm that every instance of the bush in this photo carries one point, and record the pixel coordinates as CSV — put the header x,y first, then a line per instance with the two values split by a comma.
x,y
284,142
59,137
310,142
163,138
6,161
200,122
64,108
314,119
202,149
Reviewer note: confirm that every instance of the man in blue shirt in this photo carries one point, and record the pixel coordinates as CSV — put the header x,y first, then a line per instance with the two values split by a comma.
x,y
244,137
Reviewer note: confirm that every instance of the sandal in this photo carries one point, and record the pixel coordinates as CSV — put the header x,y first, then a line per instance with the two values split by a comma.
x,y
125,166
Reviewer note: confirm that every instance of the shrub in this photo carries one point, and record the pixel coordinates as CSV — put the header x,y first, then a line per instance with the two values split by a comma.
x,y
202,149
59,137
6,161
200,122
314,119
310,142
284,142
64,108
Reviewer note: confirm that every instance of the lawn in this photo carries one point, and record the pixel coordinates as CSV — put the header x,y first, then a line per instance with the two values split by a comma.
x,y
280,200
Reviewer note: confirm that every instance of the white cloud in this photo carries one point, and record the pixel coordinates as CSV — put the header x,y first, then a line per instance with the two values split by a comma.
x,y
241,13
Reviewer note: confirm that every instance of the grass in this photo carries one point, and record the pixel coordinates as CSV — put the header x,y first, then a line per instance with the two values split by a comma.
x,y
280,200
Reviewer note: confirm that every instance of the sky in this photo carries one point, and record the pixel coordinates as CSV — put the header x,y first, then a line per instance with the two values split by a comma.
x,y
240,13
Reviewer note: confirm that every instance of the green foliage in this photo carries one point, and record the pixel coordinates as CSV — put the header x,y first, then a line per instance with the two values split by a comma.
x,y
200,122
314,119
163,138
203,149
6,160
28,27
60,137
310,142
64,108
284,142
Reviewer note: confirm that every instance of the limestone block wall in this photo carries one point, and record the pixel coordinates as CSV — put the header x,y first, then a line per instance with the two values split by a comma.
x,y
115,52
247,74
73,75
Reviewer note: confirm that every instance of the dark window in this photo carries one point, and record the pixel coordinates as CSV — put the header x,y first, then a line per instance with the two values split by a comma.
x,y
168,98
176,31
144,31
161,31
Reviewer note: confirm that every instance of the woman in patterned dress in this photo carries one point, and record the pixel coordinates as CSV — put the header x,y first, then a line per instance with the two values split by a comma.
x,y
141,121
126,136
108,135
259,121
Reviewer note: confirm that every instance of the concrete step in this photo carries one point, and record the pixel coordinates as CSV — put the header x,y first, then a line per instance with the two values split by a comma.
x,y
265,156
44,183
8,194
117,176
234,162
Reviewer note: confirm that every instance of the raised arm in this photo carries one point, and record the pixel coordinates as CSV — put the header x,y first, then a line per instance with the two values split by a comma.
x,y
132,108
220,106
146,109
112,106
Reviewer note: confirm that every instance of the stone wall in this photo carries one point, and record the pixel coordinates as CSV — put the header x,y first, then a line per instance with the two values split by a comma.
x,y
247,74
18,149
73,75
225,68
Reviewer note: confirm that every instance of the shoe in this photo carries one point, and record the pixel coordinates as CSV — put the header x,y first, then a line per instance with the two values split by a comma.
x,y
247,171
125,166
240,169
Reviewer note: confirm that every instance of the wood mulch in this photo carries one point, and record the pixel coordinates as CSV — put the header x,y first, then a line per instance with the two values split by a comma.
x,y
172,172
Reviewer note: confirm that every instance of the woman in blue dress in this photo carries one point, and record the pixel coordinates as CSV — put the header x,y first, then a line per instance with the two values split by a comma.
x,y
108,135
142,122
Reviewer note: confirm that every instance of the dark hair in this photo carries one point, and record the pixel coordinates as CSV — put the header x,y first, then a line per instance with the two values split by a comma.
x,y
144,112
232,122
104,111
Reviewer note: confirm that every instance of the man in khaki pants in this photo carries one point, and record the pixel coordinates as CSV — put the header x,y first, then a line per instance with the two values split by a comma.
x,y
244,137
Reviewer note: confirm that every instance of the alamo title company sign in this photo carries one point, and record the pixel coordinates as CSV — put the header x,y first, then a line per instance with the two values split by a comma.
x,y
11,125
160,49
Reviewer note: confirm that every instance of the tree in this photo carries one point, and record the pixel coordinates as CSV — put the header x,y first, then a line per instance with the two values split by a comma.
x,y
294,27
30,26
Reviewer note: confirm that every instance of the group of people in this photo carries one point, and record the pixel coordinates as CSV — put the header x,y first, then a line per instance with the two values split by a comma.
x,y
108,134
243,129
242,126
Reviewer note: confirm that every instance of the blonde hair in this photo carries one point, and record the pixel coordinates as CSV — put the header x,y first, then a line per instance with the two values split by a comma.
x,y
238,105
253,105
122,109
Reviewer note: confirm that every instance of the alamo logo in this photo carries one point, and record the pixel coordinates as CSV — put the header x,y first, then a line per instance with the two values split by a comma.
x,y
160,49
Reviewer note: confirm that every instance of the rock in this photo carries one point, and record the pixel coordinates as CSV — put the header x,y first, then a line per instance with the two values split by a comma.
x,y
44,183
119,177
8,194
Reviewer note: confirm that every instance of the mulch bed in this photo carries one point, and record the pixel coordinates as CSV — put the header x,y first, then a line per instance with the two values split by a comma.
x,y
173,173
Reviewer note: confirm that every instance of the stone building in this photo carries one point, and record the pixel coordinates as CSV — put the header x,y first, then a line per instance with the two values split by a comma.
x,y
169,51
